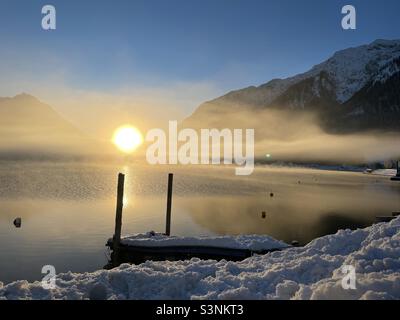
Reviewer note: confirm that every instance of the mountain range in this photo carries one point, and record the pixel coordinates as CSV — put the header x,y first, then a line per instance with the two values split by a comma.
x,y
356,90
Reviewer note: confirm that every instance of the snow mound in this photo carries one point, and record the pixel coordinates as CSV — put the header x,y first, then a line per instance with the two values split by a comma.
x,y
310,272
249,242
385,172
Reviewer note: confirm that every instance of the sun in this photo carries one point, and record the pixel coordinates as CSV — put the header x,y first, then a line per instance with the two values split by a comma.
x,y
127,138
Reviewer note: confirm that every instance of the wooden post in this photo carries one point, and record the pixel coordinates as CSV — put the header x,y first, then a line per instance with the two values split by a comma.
x,y
169,203
118,215
398,169
397,176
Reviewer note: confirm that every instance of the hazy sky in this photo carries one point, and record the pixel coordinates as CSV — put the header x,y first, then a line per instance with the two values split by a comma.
x,y
180,51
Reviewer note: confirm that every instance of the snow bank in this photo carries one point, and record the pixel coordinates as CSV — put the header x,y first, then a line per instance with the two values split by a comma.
x,y
385,172
310,272
250,242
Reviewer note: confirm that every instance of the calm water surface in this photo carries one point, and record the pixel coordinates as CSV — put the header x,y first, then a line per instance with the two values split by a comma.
x,y
68,209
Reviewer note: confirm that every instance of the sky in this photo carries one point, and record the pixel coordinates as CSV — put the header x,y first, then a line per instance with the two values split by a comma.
x,y
172,54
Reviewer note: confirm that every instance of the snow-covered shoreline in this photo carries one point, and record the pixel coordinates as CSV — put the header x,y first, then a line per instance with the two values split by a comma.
x,y
310,272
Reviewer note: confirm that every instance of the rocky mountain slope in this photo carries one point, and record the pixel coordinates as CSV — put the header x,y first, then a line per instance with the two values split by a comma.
x,y
357,89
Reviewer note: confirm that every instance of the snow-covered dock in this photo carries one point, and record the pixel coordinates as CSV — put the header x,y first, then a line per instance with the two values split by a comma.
x,y
156,246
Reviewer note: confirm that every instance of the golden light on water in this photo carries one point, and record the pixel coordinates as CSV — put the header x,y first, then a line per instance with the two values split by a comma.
x,y
127,138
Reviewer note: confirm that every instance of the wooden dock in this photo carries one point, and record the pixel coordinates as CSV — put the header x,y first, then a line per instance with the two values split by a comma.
x,y
140,254
388,218
384,218
122,253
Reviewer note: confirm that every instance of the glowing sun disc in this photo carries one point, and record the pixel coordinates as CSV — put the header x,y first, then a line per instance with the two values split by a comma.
x,y
127,138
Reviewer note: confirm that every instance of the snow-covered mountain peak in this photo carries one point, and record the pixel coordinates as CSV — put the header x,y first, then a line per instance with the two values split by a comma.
x,y
355,89
351,69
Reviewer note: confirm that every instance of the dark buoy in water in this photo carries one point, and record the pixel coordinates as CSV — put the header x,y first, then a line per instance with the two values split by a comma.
x,y
263,214
295,243
271,194
17,222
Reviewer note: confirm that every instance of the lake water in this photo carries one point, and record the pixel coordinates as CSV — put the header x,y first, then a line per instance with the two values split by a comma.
x,y
68,209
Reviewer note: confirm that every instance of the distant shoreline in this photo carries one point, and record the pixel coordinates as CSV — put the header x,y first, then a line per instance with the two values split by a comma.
x,y
71,158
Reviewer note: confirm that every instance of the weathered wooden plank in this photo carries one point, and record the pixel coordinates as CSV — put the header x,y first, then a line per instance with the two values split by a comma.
x,y
385,218
139,254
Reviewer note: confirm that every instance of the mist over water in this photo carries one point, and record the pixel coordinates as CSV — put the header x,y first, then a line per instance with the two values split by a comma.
x,y
31,129
298,136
